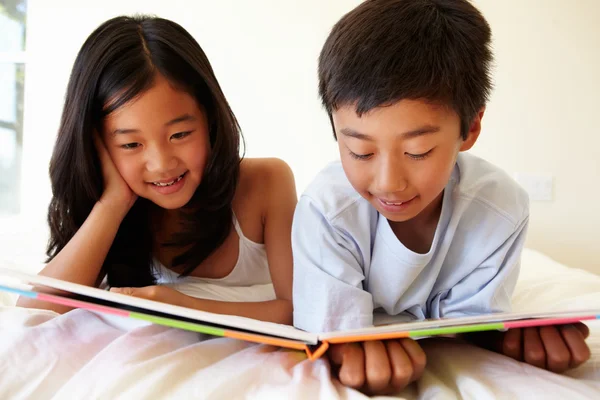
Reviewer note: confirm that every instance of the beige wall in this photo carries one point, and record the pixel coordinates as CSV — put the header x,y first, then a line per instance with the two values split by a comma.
x,y
540,119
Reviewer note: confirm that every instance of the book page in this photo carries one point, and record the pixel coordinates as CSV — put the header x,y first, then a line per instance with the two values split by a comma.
x,y
474,323
19,280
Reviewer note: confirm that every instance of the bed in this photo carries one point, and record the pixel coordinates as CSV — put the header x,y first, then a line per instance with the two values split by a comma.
x,y
84,355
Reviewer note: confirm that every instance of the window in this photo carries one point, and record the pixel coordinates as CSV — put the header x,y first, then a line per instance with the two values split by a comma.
x,y
12,78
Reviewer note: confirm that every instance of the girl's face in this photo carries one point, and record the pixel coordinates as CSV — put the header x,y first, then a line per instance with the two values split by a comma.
x,y
159,142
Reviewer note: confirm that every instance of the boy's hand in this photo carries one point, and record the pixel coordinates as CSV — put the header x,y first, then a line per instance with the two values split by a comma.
x,y
378,367
555,348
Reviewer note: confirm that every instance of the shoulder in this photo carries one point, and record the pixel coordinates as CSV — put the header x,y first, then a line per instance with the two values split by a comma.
x,y
488,187
264,172
331,201
266,181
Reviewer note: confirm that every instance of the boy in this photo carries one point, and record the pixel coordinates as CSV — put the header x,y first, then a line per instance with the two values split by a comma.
x,y
407,225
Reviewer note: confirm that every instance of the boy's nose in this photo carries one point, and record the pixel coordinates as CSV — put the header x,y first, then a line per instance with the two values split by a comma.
x,y
391,178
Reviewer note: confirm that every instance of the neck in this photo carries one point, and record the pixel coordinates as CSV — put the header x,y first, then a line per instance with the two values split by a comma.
x,y
417,234
164,223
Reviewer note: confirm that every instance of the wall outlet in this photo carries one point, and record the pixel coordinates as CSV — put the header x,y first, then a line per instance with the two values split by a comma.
x,y
539,187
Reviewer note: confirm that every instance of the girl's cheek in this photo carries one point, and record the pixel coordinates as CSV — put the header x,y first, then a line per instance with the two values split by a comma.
x,y
130,173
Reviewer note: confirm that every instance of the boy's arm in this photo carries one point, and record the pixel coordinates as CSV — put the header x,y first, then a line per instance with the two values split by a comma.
x,y
488,288
328,295
328,289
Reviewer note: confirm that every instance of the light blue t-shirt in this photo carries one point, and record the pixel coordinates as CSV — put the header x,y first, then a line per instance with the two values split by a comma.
x,y
349,264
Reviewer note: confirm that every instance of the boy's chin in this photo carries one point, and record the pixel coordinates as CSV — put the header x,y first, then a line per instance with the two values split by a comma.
x,y
393,217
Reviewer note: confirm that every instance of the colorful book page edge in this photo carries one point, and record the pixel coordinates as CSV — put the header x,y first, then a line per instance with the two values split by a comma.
x,y
173,323
465,329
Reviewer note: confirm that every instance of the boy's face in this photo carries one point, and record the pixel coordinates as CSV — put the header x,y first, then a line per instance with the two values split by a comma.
x,y
400,157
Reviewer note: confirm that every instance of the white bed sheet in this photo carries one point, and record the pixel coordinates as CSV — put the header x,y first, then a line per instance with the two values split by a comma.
x,y
83,355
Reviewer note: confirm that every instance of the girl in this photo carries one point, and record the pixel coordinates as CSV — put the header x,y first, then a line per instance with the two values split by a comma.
x,y
149,190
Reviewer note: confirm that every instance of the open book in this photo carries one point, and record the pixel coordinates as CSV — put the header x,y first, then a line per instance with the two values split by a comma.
x,y
102,301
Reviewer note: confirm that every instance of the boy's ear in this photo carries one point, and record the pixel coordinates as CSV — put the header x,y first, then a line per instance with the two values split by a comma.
x,y
474,131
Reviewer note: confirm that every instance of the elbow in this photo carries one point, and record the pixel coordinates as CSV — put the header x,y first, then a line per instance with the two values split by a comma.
x,y
287,313
26,302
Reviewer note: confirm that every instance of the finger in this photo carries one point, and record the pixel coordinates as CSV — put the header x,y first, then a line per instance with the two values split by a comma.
x,y
336,353
377,365
575,341
417,357
352,366
401,364
583,328
512,345
100,147
122,290
533,349
558,357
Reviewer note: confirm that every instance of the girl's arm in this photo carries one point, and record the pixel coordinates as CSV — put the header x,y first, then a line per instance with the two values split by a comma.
x,y
278,311
279,196
81,260
279,213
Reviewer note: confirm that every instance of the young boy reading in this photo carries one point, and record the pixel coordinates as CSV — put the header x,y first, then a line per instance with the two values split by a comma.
x,y
407,225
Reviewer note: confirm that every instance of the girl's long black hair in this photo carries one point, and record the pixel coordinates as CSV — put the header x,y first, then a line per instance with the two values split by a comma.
x,y
118,62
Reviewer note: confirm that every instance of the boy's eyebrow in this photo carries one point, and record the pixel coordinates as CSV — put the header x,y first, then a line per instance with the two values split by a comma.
x,y
427,129
355,134
183,118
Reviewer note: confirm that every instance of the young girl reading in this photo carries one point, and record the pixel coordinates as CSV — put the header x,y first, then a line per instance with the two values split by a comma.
x,y
149,190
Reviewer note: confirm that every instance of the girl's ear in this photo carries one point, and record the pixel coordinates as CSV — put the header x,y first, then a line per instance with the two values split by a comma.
x,y
474,131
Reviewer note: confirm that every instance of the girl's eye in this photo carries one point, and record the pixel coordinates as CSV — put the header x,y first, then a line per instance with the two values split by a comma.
x,y
360,156
129,146
180,135
421,156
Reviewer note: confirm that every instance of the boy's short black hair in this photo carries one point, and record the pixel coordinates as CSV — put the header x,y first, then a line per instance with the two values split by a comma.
x,y
384,51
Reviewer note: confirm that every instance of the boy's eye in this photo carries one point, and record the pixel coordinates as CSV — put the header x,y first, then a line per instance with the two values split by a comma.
x,y
180,135
419,156
360,156
129,146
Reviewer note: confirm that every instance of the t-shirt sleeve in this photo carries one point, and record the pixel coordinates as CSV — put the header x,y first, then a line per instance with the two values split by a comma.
x,y
489,287
328,289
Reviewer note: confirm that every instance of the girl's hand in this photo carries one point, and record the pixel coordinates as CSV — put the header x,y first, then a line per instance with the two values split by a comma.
x,y
116,191
378,367
160,293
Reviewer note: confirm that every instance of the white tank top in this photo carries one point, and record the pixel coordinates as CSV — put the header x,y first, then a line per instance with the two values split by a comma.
x,y
251,268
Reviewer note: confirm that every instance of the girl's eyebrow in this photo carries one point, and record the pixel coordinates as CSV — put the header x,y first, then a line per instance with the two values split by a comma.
x,y
182,118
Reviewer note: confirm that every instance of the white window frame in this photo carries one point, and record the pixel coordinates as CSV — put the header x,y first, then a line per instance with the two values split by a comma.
x,y
9,220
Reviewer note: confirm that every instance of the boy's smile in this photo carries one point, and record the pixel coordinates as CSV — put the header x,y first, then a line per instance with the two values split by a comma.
x,y
400,157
